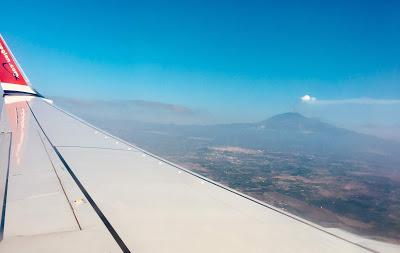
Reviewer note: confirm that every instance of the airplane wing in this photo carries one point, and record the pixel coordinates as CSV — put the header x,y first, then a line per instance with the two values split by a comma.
x,y
67,186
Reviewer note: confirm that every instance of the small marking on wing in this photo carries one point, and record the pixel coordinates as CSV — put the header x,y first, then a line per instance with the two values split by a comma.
x,y
78,202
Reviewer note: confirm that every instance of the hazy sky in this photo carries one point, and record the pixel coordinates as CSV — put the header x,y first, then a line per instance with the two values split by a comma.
x,y
239,60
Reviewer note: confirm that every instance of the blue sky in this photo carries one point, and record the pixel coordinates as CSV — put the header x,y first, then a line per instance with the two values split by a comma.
x,y
239,60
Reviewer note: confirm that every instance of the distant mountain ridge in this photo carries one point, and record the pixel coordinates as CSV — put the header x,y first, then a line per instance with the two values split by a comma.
x,y
294,121
287,132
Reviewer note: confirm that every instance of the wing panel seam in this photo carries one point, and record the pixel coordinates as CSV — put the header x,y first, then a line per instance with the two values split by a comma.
x,y
59,180
103,218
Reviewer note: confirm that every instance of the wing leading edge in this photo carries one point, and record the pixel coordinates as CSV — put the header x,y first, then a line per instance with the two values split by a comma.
x,y
67,186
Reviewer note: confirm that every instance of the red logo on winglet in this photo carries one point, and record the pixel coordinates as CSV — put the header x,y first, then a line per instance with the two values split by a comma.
x,y
9,72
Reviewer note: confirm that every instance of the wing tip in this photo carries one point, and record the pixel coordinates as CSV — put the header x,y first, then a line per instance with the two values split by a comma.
x,y
12,78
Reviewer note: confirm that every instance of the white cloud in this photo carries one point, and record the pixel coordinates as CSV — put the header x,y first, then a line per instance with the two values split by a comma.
x,y
308,99
359,101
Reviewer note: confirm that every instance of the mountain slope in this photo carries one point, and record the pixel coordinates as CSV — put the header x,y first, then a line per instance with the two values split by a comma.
x,y
288,132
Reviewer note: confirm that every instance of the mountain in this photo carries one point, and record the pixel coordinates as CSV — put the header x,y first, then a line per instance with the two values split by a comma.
x,y
296,133
287,132
292,121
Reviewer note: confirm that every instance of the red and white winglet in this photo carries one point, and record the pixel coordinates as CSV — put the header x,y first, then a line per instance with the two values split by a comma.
x,y
12,79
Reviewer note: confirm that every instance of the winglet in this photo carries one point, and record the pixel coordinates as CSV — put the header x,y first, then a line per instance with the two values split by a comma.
x,y
12,79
